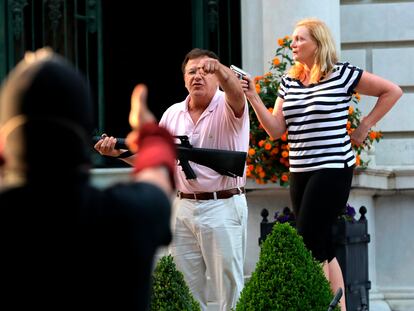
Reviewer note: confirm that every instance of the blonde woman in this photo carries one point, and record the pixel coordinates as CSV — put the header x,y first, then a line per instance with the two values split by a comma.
x,y
312,105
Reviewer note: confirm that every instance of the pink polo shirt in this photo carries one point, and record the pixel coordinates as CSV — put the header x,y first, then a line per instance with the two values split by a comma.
x,y
217,128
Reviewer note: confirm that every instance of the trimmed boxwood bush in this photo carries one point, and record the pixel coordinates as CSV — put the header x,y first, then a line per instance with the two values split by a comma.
x,y
169,289
286,277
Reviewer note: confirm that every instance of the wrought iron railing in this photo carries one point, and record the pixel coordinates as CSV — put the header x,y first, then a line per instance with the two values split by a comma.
x,y
72,28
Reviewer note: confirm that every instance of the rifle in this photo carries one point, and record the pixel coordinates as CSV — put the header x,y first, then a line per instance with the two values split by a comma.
x,y
225,162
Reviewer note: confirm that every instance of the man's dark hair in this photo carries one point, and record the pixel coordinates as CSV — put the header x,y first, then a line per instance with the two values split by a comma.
x,y
196,53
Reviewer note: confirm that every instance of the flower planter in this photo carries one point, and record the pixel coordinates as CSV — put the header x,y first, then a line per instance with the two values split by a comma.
x,y
351,240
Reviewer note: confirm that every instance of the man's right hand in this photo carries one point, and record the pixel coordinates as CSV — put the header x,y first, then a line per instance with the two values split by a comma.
x,y
106,146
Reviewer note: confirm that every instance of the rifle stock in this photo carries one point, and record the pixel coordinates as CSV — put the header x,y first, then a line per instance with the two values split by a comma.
x,y
225,162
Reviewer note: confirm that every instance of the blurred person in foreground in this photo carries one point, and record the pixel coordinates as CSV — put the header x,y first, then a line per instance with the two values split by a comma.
x,y
66,244
312,105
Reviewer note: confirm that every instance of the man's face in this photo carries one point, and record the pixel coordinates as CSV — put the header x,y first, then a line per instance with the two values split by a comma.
x,y
197,82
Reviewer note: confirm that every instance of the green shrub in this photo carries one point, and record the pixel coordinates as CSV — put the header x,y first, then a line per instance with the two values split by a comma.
x,y
169,289
286,277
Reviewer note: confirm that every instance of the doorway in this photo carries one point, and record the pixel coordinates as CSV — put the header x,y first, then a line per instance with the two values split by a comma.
x,y
143,43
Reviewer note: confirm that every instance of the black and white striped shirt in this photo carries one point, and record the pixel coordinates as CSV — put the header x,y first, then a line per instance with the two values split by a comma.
x,y
316,117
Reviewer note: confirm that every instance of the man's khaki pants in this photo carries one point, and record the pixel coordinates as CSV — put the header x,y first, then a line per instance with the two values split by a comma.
x,y
209,238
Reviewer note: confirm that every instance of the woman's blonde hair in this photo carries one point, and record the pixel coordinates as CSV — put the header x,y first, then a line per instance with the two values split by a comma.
x,y
325,55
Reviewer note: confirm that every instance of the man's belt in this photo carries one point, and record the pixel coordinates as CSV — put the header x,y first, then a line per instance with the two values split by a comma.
x,y
224,194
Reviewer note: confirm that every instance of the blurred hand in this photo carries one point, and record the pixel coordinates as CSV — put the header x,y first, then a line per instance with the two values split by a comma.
x,y
138,115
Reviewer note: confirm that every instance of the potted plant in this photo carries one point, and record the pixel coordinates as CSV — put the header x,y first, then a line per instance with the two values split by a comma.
x,y
286,277
169,289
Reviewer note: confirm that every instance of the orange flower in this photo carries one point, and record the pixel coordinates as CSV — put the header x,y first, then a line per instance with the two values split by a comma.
x,y
285,154
357,96
351,110
252,152
348,125
268,146
259,169
262,174
270,109
284,177
358,160
274,151
258,78
372,135
280,41
258,89
284,137
276,61
286,38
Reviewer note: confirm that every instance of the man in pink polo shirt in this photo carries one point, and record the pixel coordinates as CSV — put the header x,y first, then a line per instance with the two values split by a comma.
x,y
210,212
209,218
